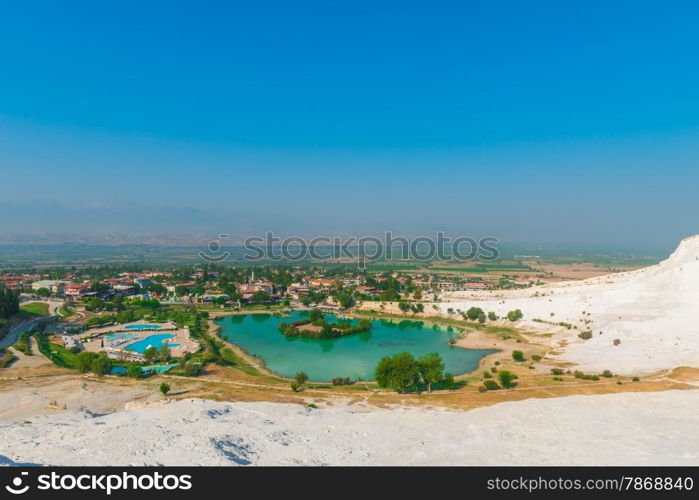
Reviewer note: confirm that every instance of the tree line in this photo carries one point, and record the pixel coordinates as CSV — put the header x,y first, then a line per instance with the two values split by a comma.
x,y
9,302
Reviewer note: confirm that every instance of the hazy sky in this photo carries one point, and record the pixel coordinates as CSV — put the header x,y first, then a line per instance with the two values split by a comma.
x,y
555,121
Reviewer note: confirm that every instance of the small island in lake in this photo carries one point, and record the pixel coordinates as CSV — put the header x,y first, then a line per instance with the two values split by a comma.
x,y
315,327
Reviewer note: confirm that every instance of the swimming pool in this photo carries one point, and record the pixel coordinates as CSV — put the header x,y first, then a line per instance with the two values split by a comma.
x,y
150,341
142,327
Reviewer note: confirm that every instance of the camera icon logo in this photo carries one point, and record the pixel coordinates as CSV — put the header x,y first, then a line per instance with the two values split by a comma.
x,y
16,488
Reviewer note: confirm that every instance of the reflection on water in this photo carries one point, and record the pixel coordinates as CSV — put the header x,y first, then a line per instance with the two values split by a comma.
x,y
353,356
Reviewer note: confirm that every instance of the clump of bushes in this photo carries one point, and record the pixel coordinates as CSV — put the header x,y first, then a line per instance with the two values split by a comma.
x,y
518,356
635,379
342,381
586,335
515,315
557,371
584,376
536,357
607,374
490,385
507,378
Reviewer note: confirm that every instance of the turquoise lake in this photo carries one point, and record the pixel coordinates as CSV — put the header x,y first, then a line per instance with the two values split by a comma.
x,y
353,356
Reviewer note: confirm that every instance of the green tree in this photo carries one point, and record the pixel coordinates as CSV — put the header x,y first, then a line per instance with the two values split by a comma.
x,y
101,364
315,315
150,353
43,292
518,356
515,315
431,367
398,372
507,378
492,316
474,313
164,388
83,361
260,297
301,377
134,371
345,298
164,352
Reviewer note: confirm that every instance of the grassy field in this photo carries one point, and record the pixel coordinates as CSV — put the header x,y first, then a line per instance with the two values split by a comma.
x,y
35,309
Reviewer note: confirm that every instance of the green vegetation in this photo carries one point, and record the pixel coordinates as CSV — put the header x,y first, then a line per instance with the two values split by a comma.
x,y
59,355
22,345
490,385
398,372
515,315
97,363
36,309
164,388
431,369
507,378
607,374
9,304
301,378
6,357
317,328
582,376
402,372
518,356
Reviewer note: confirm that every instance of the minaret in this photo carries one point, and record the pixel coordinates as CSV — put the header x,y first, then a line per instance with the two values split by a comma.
x,y
252,278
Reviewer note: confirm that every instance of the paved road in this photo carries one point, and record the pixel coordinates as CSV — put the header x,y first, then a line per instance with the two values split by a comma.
x,y
14,334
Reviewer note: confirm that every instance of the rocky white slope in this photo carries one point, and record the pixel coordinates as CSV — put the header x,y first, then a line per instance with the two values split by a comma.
x,y
652,312
629,428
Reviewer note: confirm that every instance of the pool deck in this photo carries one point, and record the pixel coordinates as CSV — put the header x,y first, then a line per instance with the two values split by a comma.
x,y
96,339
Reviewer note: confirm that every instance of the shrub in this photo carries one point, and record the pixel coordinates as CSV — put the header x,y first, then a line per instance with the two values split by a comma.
x,y
164,388
474,313
515,315
301,377
134,371
342,381
607,374
487,375
557,371
507,378
635,379
536,357
448,380
583,376
83,361
586,335
295,386
558,379
491,385
492,316
518,356
482,388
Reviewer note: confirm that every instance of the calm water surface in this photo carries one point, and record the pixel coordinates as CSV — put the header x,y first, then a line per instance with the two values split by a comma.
x,y
352,356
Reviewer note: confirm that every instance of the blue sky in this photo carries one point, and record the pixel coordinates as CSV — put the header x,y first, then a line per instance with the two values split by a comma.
x,y
532,121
